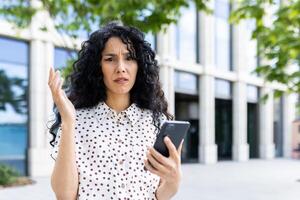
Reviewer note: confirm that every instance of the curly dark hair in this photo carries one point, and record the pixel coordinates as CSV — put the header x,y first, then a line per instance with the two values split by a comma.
x,y
87,88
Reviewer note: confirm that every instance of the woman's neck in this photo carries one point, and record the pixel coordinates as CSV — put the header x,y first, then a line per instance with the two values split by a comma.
x,y
118,102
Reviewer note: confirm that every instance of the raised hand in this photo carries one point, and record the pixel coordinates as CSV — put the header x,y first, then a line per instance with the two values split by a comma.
x,y
64,105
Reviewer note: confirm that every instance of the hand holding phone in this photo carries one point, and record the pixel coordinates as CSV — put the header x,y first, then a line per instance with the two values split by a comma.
x,y
175,130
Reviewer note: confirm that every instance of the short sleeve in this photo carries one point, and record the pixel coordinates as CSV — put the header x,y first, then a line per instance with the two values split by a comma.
x,y
54,150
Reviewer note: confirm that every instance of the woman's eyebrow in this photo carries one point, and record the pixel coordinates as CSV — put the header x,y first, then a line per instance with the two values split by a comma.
x,y
112,54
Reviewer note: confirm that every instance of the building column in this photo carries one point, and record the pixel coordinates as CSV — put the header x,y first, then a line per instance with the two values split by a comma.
x,y
207,149
289,114
166,75
240,147
38,153
166,72
39,160
266,138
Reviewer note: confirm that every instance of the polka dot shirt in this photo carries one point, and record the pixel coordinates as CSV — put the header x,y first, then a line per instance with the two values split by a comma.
x,y
110,149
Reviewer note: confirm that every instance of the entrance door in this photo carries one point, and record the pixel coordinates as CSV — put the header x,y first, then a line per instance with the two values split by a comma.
x,y
252,130
186,109
223,128
278,127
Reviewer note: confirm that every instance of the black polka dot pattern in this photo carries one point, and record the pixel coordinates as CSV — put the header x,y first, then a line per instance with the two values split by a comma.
x,y
110,149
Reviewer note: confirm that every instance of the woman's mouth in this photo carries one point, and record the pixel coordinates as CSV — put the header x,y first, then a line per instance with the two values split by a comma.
x,y
121,80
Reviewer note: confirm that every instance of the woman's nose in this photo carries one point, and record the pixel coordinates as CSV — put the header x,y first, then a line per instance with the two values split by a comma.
x,y
121,66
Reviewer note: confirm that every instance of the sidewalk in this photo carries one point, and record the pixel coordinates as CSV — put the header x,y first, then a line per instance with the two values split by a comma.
x,y
253,180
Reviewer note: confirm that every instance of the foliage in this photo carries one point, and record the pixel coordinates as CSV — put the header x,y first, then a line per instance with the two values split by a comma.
x,y
8,94
278,39
73,15
8,175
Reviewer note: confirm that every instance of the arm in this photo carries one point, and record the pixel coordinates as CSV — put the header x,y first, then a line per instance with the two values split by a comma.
x,y
168,169
64,179
166,191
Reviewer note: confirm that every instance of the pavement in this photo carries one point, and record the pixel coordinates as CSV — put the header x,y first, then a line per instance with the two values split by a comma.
x,y
277,179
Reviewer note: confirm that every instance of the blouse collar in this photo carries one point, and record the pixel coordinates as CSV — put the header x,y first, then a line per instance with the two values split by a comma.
x,y
102,111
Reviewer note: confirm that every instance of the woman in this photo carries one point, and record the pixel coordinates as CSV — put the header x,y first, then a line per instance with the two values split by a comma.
x,y
108,123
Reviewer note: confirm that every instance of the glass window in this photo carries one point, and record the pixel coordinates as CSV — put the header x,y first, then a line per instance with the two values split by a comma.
x,y
222,35
11,47
13,103
186,35
251,50
61,57
252,94
186,82
223,89
151,39
278,126
81,31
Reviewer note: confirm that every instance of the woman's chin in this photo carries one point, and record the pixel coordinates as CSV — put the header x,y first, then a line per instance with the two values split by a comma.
x,y
122,92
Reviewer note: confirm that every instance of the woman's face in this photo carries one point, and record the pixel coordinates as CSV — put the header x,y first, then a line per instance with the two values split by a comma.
x,y
119,69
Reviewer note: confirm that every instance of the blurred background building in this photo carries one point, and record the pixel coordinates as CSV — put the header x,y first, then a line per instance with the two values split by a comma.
x,y
206,66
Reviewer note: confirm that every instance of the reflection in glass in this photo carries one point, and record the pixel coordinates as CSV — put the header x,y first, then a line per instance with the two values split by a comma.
x,y
62,56
10,51
223,89
186,34
13,103
151,39
251,50
222,35
278,126
252,93
186,82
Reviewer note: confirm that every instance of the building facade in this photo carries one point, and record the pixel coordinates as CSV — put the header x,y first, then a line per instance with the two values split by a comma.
x,y
206,66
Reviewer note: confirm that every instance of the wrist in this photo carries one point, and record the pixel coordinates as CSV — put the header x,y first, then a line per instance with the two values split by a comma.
x,y
68,124
166,191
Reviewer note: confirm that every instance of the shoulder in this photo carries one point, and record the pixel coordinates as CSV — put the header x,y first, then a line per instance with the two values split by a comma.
x,y
148,113
84,112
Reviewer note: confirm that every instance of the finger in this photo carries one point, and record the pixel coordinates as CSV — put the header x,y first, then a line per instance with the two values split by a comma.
x,y
172,149
56,88
51,74
180,148
152,169
158,156
53,80
155,164
61,82
57,81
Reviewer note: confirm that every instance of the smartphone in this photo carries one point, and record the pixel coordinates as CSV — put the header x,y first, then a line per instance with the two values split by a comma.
x,y
175,130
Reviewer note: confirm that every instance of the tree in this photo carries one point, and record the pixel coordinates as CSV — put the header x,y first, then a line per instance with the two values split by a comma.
x,y
70,16
8,94
73,15
278,42
278,39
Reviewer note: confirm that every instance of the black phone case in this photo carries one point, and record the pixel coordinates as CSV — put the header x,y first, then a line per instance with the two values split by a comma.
x,y
176,130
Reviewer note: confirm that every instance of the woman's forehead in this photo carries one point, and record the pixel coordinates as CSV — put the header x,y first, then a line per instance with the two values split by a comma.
x,y
115,45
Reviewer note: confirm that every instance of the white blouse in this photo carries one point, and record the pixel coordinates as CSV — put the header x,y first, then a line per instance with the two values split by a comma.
x,y
110,149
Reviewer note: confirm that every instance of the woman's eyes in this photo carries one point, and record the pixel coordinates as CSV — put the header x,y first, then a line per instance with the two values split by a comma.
x,y
129,58
108,59
111,59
